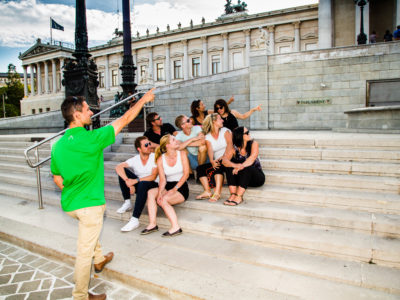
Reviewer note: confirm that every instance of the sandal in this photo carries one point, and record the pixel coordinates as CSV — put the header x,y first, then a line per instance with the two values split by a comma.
x,y
233,202
228,201
215,197
204,196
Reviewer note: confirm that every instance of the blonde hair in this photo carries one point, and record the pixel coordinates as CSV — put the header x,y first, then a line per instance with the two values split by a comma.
x,y
160,150
208,123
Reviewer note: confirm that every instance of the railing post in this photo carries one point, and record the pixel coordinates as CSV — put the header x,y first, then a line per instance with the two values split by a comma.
x,y
39,182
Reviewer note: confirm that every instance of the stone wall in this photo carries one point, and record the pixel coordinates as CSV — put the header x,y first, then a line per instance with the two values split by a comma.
x,y
311,90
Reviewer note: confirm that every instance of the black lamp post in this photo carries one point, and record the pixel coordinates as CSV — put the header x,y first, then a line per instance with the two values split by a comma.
x,y
80,74
362,37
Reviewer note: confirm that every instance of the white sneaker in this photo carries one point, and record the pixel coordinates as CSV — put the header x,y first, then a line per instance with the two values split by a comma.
x,y
132,224
125,207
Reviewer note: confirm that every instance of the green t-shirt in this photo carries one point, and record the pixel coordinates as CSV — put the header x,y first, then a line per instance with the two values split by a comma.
x,y
78,158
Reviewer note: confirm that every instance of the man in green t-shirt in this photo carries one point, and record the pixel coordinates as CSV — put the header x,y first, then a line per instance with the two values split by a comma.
x,y
78,169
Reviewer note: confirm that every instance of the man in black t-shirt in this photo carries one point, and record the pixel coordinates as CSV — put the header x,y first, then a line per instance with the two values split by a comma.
x,y
157,129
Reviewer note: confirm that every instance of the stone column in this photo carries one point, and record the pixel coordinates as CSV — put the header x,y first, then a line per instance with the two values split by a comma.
x,y
325,24
226,52
358,22
46,77
248,45
54,73
39,79
185,60
32,79
107,74
296,36
205,56
150,62
121,57
271,31
25,82
134,58
62,74
167,64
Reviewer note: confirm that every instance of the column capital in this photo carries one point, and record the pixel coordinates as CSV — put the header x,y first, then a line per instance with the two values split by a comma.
x,y
184,42
150,48
247,32
204,38
296,24
271,28
166,45
224,35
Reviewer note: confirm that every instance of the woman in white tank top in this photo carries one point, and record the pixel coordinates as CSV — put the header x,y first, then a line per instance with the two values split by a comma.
x,y
173,170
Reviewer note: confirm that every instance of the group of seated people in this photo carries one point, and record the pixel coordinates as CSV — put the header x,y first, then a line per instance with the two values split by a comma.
x,y
210,143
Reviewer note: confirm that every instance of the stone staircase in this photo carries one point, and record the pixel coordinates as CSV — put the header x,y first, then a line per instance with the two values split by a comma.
x,y
325,225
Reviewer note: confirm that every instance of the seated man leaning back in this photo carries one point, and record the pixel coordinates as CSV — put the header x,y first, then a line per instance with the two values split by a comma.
x,y
157,129
191,139
137,174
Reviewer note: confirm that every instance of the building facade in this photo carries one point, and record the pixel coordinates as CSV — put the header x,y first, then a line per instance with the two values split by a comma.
x,y
182,56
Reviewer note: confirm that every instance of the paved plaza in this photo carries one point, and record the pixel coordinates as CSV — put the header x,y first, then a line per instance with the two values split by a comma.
x,y
25,275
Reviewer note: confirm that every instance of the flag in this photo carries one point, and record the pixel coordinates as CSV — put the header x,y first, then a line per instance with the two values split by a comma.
x,y
55,25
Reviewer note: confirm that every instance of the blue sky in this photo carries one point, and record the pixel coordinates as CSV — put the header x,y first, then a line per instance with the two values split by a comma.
x,y
23,21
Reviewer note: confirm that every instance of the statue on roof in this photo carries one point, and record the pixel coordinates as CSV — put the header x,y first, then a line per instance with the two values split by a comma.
x,y
228,7
239,7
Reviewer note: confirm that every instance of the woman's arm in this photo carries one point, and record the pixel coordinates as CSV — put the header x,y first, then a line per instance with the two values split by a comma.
x,y
58,180
210,153
229,151
253,156
163,181
240,116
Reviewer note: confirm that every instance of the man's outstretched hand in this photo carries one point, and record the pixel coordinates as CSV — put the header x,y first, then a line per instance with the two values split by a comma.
x,y
149,96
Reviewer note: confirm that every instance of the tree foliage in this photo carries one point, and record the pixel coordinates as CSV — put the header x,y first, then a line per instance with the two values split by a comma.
x,y
14,91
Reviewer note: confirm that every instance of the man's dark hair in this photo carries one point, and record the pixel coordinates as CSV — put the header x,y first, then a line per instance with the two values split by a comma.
x,y
150,117
178,121
70,105
139,140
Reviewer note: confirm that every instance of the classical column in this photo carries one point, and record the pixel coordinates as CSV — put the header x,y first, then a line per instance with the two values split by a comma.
x,y
134,58
226,52
39,79
167,64
248,45
185,60
271,33
46,77
62,74
54,73
205,56
150,48
32,79
25,82
325,24
296,36
121,58
107,73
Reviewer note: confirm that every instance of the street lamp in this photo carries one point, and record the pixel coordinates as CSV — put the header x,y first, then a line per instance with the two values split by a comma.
x,y
362,37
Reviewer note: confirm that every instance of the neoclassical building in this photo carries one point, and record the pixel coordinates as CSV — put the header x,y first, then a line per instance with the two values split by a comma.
x,y
192,51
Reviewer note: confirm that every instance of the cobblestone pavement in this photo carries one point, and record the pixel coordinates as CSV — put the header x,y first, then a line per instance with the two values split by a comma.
x,y
25,275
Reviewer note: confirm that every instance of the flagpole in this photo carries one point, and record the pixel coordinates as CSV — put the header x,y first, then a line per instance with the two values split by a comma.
x,y
51,34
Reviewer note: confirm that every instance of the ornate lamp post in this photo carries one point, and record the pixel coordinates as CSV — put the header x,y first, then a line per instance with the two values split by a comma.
x,y
362,37
80,74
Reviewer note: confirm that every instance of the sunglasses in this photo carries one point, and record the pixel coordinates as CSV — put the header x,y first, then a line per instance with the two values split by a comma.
x,y
187,121
147,144
219,107
156,119
247,132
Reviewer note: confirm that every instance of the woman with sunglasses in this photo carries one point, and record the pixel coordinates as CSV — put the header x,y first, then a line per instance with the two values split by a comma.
x,y
243,167
218,139
199,112
173,170
230,116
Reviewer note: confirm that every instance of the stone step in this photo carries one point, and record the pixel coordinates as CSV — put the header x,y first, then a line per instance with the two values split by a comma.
x,y
314,239
180,268
330,154
21,144
15,159
24,137
20,151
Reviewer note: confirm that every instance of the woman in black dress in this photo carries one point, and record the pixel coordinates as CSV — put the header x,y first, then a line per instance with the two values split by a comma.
x,y
242,165
199,111
230,116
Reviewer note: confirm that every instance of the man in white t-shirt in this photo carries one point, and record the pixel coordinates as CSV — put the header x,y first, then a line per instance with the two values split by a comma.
x,y
137,174
192,139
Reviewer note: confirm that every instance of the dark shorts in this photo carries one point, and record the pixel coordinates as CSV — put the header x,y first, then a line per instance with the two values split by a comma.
x,y
184,189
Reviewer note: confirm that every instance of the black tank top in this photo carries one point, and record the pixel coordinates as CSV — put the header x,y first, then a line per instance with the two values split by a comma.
x,y
195,119
230,121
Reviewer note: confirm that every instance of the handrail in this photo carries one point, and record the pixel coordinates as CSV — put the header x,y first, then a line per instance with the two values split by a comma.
x,y
36,145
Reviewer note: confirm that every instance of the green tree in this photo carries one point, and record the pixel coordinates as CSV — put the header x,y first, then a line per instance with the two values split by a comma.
x,y
14,90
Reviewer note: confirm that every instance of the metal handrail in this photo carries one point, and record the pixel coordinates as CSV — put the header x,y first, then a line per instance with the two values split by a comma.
x,y
37,144
37,164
